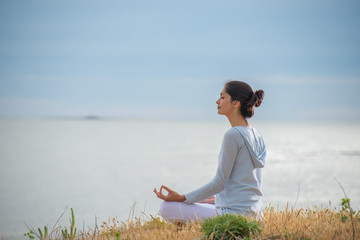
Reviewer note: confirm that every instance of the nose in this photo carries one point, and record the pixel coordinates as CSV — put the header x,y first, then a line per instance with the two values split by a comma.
x,y
217,101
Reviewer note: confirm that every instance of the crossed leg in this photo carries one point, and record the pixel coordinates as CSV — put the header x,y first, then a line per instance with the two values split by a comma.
x,y
184,212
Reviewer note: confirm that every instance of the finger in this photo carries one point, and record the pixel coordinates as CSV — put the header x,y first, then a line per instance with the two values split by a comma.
x,y
162,194
161,190
157,193
167,189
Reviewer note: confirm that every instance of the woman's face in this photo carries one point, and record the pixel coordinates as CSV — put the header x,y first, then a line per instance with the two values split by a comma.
x,y
224,104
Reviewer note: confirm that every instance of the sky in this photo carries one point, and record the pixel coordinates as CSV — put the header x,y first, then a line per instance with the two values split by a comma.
x,y
170,59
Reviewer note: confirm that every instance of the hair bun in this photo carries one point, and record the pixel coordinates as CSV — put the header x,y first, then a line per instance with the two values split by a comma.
x,y
255,99
259,96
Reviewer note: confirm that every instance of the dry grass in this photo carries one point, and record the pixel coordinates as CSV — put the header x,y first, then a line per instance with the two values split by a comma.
x,y
313,223
316,223
153,229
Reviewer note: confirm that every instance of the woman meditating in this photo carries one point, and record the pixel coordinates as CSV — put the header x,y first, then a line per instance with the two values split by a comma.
x,y
236,187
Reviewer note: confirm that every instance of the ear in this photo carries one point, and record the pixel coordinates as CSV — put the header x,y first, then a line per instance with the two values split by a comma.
x,y
236,104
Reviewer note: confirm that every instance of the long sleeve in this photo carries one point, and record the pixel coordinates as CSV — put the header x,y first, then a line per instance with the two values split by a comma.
x,y
228,154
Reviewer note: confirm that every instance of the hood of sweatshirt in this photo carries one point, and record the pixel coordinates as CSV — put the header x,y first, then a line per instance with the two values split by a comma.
x,y
255,144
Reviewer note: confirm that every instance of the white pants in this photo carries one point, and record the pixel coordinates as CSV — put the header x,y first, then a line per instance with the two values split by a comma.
x,y
185,212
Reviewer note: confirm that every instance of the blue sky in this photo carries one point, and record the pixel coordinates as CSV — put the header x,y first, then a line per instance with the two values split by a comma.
x,y
170,59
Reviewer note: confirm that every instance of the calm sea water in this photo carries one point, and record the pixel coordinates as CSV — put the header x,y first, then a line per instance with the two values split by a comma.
x,y
100,168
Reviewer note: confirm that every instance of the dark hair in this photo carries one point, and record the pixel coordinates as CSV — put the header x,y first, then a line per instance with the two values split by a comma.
x,y
242,92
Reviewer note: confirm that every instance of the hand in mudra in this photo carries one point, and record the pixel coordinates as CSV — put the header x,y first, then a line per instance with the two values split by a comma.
x,y
171,196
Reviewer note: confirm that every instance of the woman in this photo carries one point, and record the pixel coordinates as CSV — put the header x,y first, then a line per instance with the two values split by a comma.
x,y
237,183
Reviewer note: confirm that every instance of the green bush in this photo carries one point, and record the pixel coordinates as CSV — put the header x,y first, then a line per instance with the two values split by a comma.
x,y
229,226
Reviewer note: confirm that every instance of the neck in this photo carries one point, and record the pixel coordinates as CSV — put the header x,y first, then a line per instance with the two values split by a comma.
x,y
236,119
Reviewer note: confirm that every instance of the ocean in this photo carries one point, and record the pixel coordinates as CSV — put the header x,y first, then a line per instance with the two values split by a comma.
x,y
109,167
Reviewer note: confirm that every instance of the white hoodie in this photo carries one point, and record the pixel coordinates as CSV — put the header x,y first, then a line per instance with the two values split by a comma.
x,y
237,183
